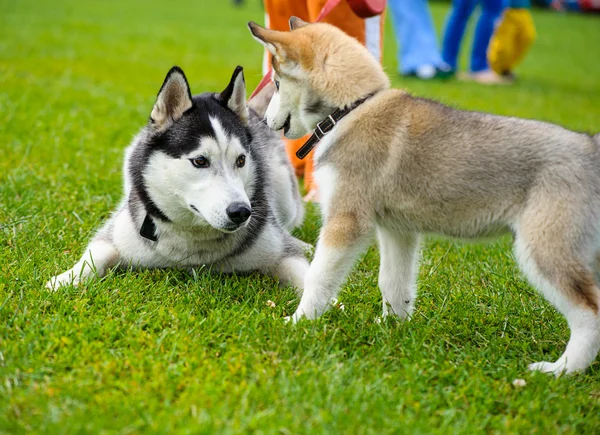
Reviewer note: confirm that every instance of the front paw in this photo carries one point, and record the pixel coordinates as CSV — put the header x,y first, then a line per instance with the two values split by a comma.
x,y
294,318
308,311
64,279
313,309
557,368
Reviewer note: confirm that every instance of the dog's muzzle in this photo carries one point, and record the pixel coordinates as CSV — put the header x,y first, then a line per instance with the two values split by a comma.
x,y
238,212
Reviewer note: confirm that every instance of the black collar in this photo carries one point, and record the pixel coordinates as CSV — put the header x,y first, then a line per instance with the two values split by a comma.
x,y
326,126
148,230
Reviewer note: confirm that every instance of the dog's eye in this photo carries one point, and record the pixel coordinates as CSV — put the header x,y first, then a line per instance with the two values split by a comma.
x,y
200,162
277,84
241,161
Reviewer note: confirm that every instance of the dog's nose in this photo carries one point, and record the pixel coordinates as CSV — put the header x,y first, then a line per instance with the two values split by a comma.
x,y
238,212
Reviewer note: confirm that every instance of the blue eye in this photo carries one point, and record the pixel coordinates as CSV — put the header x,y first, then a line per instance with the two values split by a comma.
x,y
200,162
277,84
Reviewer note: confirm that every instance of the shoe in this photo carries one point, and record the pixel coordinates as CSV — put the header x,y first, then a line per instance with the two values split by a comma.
x,y
430,72
444,72
486,77
510,76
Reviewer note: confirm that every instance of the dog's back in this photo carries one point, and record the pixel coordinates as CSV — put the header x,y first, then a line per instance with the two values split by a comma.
x,y
456,172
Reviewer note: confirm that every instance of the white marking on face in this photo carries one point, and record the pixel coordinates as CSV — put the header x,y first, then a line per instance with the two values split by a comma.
x,y
222,139
287,102
191,195
272,113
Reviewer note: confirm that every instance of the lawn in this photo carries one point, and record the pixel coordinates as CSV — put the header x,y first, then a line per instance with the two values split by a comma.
x,y
171,352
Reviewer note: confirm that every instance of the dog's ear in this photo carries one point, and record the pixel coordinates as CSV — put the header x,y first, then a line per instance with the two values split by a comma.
x,y
234,95
260,102
173,99
273,40
296,23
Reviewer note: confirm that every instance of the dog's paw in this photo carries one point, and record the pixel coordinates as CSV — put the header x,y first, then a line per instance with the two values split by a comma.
x,y
64,279
295,318
555,368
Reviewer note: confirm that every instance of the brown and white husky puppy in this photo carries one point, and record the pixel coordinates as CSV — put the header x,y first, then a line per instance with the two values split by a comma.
x,y
396,167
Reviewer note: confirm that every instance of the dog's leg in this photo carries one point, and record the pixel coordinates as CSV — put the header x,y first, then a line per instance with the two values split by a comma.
x,y
291,271
569,285
98,257
342,239
397,270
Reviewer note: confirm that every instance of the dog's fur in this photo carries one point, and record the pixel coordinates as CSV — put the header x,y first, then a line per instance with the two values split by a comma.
x,y
399,166
192,207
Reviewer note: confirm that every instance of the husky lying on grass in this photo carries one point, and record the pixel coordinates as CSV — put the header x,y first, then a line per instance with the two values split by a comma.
x,y
206,183
397,166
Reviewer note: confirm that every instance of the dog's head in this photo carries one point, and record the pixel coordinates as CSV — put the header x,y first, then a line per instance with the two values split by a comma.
x,y
317,69
199,159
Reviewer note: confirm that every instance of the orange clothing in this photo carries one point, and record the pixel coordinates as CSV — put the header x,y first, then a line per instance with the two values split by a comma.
x,y
368,31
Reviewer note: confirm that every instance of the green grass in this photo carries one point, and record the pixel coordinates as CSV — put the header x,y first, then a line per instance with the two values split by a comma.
x,y
165,351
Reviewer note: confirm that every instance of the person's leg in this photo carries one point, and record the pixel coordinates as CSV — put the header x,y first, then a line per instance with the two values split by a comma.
x,y
525,36
456,22
415,34
501,52
278,13
490,12
374,36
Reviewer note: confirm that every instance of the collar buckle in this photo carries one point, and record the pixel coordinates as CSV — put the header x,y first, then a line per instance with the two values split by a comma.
x,y
318,130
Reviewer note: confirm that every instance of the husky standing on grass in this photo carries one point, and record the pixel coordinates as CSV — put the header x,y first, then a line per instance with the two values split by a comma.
x,y
397,166
206,183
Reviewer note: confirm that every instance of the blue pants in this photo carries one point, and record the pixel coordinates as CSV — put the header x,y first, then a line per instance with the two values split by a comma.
x,y
415,35
455,29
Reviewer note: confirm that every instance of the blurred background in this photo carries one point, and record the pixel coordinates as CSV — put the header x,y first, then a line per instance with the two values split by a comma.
x,y
99,64
79,78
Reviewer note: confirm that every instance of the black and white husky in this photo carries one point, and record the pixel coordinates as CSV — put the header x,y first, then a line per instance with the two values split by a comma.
x,y
206,183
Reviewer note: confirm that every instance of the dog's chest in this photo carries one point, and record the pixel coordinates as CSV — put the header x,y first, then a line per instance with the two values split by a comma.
x,y
186,250
326,143
326,179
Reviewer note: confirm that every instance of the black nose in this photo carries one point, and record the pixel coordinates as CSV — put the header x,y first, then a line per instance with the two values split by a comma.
x,y
238,212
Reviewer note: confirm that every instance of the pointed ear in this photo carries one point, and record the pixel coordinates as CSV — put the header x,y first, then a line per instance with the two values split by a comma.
x,y
296,23
260,101
173,99
234,95
271,39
